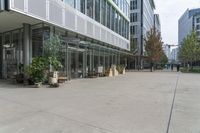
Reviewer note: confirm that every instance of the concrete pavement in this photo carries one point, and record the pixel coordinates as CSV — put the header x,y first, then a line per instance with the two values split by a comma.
x,y
138,102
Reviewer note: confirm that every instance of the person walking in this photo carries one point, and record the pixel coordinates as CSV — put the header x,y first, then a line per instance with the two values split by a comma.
x,y
172,67
178,67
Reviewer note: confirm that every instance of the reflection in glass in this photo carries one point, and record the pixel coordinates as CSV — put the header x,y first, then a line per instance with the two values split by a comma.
x,y
90,8
97,10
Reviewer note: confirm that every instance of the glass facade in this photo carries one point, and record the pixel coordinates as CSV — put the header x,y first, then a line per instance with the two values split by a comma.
x,y
90,8
113,19
83,6
123,5
97,10
133,17
133,5
79,58
70,2
109,16
103,12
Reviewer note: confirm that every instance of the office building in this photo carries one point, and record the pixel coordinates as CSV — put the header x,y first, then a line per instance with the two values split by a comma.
x,y
189,21
93,33
157,24
141,21
174,55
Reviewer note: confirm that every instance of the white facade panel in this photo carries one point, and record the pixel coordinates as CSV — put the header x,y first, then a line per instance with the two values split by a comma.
x,y
19,4
97,32
55,13
60,14
81,25
40,10
70,19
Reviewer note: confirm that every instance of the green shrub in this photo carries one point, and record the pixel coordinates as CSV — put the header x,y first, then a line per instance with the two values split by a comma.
x,y
120,68
37,69
190,70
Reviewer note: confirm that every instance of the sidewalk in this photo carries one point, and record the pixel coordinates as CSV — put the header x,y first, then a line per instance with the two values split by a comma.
x,y
138,102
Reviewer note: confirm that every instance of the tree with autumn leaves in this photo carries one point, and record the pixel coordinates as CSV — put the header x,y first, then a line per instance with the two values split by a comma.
x,y
153,47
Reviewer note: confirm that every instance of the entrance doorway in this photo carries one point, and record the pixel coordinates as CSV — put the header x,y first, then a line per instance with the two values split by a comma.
x,y
76,63
12,53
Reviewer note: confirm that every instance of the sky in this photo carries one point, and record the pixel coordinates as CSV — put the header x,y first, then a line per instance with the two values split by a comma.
x,y
170,11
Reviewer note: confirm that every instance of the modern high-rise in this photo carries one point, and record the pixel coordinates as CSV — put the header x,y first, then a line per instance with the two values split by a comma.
x,y
174,55
141,21
189,21
157,25
93,33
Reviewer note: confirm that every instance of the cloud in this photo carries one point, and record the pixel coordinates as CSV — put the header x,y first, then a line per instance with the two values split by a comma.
x,y
170,11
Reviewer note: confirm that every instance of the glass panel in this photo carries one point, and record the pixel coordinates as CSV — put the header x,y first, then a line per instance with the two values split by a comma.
x,y
37,40
76,64
70,2
97,10
113,18
90,8
78,5
116,22
120,25
103,12
83,6
11,51
108,15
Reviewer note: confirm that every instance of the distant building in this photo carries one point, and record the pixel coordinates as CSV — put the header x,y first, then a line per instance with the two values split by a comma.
x,y
141,21
188,22
157,25
174,55
167,51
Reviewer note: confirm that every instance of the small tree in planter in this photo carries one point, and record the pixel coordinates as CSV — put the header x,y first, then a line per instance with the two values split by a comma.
x,y
52,48
37,70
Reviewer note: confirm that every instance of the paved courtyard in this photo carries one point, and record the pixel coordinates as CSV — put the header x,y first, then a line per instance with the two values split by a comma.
x,y
138,102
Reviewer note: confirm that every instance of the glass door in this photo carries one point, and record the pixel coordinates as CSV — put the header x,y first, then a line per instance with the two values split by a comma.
x,y
76,58
12,60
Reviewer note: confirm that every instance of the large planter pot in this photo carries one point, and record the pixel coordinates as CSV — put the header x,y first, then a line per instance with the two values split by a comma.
x,y
53,80
115,72
110,73
124,71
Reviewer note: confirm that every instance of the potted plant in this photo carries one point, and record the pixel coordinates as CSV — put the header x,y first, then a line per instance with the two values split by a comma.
x,y
36,71
52,48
